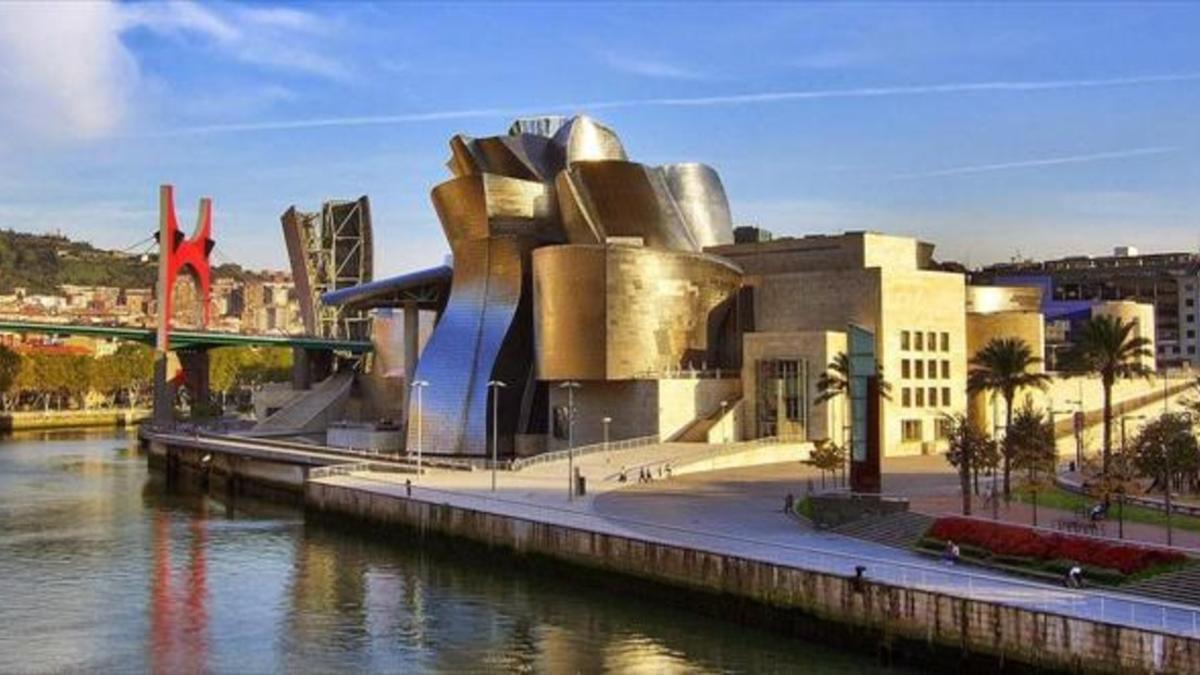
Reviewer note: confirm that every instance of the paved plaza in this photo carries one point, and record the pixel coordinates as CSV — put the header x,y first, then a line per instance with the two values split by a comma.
x,y
739,512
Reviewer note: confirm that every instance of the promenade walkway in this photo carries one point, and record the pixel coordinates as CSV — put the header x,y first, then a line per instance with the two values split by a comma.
x,y
739,513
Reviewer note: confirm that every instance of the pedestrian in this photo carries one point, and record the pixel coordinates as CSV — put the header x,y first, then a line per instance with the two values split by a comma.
x,y
408,487
951,554
789,503
1074,577
622,477
668,471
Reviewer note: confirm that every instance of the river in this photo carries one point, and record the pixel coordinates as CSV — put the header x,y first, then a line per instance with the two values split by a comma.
x,y
103,568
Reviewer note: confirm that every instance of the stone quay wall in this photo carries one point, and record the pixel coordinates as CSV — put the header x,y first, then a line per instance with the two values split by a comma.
x,y
944,627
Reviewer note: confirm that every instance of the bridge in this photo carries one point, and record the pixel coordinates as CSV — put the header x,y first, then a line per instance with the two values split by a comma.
x,y
188,340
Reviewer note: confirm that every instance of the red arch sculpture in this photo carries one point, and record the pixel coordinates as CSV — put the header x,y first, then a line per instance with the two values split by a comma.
x,y
180,253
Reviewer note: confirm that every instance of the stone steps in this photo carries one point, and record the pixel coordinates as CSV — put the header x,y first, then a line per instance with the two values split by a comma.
x,y
899,530
1182,585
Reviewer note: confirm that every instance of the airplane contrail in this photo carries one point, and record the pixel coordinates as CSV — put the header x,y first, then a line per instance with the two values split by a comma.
x,y
696,101
1037,162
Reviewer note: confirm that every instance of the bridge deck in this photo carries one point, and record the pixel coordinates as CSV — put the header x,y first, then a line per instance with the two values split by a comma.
x,y
182,339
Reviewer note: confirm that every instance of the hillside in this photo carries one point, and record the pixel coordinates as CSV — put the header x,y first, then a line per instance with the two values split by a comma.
x,y
42,263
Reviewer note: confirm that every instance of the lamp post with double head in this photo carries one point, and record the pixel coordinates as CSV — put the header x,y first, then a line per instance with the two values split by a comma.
x,y
495,386
419,385
607,423
570,386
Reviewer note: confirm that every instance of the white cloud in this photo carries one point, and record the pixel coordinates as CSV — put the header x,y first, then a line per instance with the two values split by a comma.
x,y
63,71
1038,162
647,67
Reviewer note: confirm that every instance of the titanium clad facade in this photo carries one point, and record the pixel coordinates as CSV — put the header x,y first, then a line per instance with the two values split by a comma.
x,y
563,187
625,312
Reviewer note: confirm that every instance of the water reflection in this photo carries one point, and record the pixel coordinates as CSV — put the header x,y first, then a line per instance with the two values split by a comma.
x,y
103,567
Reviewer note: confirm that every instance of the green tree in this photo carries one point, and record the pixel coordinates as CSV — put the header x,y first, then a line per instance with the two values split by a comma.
x,y
826,457
1005,366
966,444
1166,451
10,366
1107,346
1031,442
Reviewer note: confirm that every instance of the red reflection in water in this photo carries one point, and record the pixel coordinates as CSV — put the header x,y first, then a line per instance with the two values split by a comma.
x,y
179,625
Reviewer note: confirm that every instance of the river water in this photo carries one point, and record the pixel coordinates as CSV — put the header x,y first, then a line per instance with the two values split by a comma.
x,y
103,568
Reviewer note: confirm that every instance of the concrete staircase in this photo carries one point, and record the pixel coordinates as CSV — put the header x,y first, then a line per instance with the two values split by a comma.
x,y
697,430
1182,586
899,530
311,412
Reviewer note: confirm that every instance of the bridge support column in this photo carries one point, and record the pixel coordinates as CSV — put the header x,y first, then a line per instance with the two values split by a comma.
x,y
194,363
164,399
412,332
309,366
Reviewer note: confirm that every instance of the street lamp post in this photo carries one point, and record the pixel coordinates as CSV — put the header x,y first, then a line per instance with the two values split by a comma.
x,y
570,386
419,385
495,386
1123,474
1078,423
607,421
724,429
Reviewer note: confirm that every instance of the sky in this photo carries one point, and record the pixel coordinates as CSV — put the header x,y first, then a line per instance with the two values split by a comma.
x,y
993,131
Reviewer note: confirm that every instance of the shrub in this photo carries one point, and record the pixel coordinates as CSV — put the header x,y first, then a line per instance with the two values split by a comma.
x,y
1001,539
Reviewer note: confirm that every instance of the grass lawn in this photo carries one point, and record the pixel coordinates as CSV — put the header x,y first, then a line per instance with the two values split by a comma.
x,y
1058,498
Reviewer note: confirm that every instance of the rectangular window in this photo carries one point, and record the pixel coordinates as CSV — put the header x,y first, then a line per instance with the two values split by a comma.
x,y
945,342
942,428
931,341
1191,318
919,341
911,430
932,369
933,397
906,397
920,369
1191,302
945,397
1191,349
920,397
945,369
904,339
905,369
1191,333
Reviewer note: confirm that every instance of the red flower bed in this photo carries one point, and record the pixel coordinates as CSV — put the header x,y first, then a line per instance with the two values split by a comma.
x,y
1015,540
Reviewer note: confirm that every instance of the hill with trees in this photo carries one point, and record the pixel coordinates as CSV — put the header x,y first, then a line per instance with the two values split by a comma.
x,y
41,263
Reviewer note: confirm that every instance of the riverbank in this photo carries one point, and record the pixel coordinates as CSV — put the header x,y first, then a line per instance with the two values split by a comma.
x,y
72,419
763,566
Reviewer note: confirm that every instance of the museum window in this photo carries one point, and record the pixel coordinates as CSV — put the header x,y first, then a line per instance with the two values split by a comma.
x,y
781,406
945,369
932,341
904,339
906,397
932,369
919,341
911,430
945,397
933,397
920,397
905,368
920,368
942,428
945,342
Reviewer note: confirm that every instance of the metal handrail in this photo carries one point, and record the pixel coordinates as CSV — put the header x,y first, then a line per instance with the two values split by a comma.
x,y
558,455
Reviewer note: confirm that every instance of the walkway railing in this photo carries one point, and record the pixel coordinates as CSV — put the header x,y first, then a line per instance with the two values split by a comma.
x,y
1096,605
559,455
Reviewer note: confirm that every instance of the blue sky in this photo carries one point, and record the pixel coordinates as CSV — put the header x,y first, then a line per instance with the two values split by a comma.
x,y
990,130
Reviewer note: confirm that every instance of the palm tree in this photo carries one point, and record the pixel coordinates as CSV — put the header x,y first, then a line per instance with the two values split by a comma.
x,y
1107,346
1004,366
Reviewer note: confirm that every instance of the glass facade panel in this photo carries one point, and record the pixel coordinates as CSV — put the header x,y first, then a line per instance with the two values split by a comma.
x,y
782,405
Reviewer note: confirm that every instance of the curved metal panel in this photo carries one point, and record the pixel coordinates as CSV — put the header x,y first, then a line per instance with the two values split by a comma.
x,y
621,199
583,139
625,312
701,200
